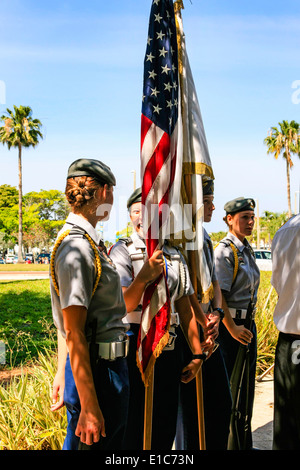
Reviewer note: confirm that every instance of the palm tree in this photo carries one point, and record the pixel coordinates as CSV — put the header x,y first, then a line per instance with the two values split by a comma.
x,y
286,140
20,130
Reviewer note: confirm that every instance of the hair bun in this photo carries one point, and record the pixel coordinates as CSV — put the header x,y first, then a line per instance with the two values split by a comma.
x,y
80,190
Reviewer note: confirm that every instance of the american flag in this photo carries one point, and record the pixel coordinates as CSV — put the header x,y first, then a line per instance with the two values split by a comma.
x,y
158,163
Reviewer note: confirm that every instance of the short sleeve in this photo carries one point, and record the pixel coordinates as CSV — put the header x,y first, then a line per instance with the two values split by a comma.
x,y
120,256
224,266
75,272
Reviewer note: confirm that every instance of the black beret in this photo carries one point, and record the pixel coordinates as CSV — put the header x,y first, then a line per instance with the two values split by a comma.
x,y
93,168
207,186
239,204
136,196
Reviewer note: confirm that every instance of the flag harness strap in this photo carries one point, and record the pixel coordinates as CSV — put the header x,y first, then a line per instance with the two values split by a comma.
x,y
97,260
137,256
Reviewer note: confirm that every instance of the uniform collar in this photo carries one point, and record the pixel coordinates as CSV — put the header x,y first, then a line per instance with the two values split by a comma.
x,y
74,219
240,245
137,240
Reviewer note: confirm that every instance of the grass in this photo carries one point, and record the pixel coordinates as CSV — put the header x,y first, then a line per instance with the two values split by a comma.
x,y
26,327
267,332
26,319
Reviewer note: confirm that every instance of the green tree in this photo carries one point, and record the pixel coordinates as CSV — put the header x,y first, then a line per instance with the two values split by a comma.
x,y
20,130
285,140
217,236
51,204
52,209
270,222
44,215
8,212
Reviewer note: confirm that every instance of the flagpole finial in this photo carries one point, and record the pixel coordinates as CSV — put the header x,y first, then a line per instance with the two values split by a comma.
x,y
178,5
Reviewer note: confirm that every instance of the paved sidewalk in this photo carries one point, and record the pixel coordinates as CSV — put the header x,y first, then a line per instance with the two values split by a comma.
x,y
262,420
23,275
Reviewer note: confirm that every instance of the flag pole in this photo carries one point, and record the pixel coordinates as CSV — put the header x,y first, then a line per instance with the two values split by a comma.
x,y
149,387
178,6
199,383
149,391
158,164
148,411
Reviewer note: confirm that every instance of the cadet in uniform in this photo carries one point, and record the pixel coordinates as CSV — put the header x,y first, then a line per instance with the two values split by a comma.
x,y
216,388
129,256
88,309
239,277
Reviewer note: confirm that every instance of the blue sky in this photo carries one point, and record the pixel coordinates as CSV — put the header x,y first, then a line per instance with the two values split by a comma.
x,y
79,66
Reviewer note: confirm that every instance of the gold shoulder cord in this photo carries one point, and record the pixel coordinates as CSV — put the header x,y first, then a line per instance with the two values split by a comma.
x,y
236,260
97,260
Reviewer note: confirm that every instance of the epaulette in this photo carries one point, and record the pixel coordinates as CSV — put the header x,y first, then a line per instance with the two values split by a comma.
x,y
126,240
77,233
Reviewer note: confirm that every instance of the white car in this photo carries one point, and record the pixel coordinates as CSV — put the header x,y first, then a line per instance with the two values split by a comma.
x,y
263,259
9,259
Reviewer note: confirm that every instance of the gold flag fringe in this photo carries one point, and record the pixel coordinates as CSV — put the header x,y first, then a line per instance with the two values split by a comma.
x,y
157,351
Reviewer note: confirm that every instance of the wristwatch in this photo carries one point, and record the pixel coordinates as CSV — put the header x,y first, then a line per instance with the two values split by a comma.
x,y
221,312
202,356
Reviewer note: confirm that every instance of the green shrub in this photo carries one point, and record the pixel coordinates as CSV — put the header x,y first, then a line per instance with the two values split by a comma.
x,y
267,332
26,419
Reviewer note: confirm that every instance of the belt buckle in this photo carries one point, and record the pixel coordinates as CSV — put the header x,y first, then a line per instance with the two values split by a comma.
x,y
118,349
112,351
175,319
126,346
171,342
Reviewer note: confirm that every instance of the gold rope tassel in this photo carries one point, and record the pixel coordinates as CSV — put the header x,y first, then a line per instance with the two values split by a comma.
x,y
236,259
97,260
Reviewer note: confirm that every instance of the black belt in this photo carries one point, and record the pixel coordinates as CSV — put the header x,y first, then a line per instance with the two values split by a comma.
x,y
290,336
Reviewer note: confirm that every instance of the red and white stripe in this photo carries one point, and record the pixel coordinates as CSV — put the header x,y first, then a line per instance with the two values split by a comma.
x,y
158,163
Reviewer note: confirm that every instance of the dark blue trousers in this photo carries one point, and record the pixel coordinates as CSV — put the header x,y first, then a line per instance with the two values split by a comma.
x,y
216,403
167,373
112,387
72,403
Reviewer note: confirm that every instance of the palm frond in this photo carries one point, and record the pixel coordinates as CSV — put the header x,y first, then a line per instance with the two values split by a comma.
x,y
19,128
